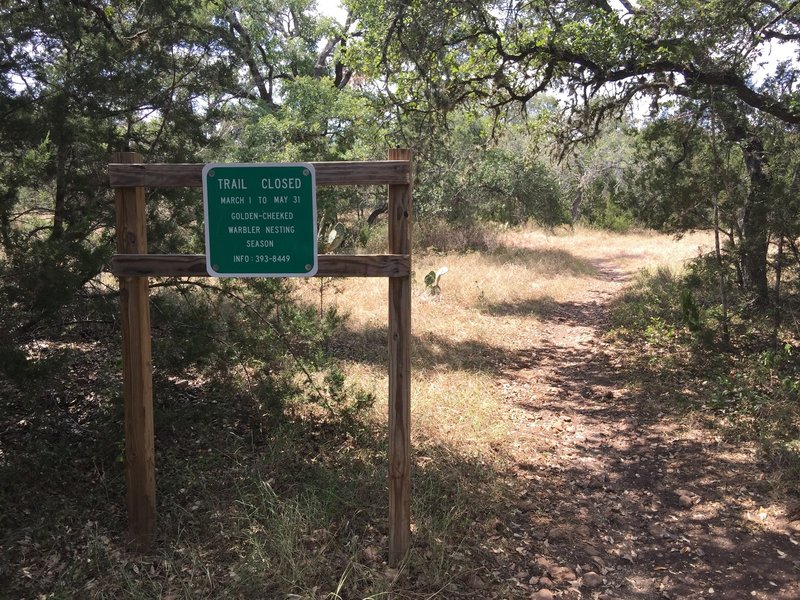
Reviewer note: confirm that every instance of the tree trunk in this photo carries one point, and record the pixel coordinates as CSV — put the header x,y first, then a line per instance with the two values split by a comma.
x,y
755,229
60,209
577,203
754,226
246,53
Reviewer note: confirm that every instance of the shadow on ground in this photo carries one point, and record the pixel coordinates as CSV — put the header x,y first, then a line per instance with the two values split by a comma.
x,y
429,351
659,507
249,505
543,261
606,478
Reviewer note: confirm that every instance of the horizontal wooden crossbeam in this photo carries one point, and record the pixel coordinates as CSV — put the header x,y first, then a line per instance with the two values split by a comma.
x,y
378,172
194,265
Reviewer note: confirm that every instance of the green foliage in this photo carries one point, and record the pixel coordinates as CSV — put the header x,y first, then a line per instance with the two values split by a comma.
x,y
659,333
751,390
593,178
709,145
432,281
251,338
191,82
179,82
510,189
91,87
667,307
758,398
690,312
690,302
348,403
316,121
672,178
650,304
470,170
508,52
612,217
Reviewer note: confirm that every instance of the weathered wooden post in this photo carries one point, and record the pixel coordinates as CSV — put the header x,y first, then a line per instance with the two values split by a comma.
x,y
400,369
136,365
133,266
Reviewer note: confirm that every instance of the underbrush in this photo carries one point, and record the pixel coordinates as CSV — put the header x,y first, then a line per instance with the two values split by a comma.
x,y
747,386
271,467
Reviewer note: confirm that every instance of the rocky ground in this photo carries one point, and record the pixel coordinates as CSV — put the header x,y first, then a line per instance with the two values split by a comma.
x,y
620,499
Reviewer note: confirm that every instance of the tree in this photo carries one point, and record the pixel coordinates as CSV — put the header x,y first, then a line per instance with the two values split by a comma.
x,y
81,79
178,81
277,42
602,60
594,175
510,51
78,81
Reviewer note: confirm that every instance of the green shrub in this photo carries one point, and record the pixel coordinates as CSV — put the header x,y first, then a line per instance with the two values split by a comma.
x,y
651,303
247,334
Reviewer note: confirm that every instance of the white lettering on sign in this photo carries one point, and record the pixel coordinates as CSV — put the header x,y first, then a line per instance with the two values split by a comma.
x,y
281,183
260,220
266,216
231,184
255,229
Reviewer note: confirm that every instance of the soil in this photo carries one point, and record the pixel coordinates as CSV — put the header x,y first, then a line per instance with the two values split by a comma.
x,y
621,498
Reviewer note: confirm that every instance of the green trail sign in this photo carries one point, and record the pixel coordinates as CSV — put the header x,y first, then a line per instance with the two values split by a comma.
x,y
260,220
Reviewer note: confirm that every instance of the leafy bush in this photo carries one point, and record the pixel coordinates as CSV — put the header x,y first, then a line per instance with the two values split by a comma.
x,y
508,188
469,170
651,303
613,218
247,333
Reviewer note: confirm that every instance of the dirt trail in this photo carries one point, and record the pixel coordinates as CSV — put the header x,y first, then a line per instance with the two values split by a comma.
x,y
620,499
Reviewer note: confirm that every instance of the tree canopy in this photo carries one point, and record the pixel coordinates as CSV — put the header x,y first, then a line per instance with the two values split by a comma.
x,y
502,52
483,90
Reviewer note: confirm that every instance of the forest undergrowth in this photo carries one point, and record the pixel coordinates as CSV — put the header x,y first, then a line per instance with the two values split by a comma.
x,y
747,386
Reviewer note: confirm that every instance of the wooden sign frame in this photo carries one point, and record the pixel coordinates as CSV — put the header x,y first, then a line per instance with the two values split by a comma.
x,y
129,177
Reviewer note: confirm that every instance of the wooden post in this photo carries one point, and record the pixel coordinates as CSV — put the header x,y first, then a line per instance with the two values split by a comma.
x,y
399,371
136,365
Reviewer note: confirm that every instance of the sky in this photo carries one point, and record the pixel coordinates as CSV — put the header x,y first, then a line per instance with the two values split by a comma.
x,y
332,8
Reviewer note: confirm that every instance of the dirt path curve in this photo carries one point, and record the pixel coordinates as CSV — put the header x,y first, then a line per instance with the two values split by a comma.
x,y
619,499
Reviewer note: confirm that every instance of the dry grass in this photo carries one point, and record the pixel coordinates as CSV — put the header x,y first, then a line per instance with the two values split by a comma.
x,y
490,310
630,251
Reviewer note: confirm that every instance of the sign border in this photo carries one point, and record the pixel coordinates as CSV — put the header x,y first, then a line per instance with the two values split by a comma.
x,y
306,165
